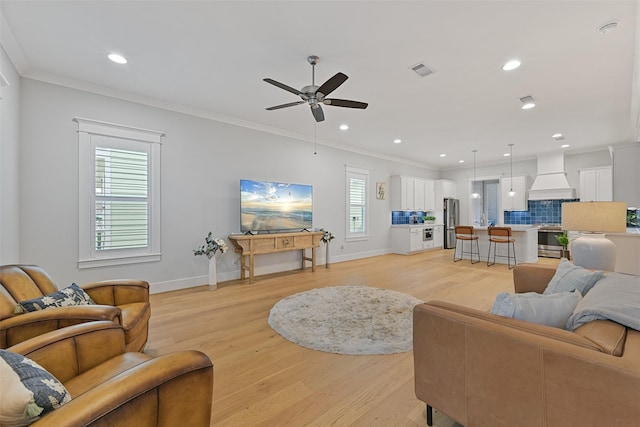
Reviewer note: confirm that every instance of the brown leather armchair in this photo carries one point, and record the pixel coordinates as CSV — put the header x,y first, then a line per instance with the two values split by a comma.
x,y
123,301
112,387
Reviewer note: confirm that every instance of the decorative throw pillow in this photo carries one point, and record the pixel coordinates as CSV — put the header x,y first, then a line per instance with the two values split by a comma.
x,y
71,295
551,310
571,277
28,390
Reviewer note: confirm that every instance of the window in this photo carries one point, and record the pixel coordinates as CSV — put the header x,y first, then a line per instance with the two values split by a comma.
x,y
357,203
119,194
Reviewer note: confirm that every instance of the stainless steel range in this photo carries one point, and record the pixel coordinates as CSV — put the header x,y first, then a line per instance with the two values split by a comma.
x,y
548,245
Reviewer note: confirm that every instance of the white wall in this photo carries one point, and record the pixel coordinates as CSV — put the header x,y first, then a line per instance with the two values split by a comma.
x,y
572,162
463,175
626,174
202,163
9,137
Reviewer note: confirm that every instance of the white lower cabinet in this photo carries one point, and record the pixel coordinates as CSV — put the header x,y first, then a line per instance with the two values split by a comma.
x,y
438,236
408,239
415,239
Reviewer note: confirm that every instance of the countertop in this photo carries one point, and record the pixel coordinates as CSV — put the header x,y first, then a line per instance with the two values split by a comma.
x,y
514,227
415,225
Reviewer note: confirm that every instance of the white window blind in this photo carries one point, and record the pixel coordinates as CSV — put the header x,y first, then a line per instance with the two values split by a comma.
x,y
119,194
121,199
357,203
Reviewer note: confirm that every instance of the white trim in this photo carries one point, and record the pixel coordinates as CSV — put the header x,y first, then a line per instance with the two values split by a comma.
x,y
195,112
109,261
11,46
351,236
127,136
96,127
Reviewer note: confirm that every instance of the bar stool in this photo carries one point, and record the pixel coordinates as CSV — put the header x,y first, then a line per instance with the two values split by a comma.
x,y
466,233
502,235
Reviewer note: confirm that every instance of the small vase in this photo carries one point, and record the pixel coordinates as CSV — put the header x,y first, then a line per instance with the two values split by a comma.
x,y
326,260
213,280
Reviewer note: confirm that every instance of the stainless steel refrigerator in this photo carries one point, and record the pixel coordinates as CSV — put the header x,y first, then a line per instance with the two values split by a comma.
x,y
451,208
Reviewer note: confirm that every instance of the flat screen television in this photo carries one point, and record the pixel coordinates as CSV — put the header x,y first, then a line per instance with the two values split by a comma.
x,y
275,206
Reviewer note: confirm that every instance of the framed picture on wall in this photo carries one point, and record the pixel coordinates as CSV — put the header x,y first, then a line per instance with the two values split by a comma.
x,y
381,190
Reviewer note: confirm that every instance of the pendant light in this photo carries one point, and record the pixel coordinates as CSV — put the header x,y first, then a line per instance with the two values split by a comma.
x,y
511,192
475,194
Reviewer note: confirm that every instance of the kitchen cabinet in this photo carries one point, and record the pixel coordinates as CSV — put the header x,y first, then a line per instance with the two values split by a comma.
x,y
412,194
596,185
408,239
519,201
444,189
438,236
429,195
415,241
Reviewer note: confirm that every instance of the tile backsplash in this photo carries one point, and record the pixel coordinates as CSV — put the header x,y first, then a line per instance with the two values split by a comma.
x,y
539,212
404,217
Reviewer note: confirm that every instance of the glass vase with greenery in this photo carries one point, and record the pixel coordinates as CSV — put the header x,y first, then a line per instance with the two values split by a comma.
x,y
563,240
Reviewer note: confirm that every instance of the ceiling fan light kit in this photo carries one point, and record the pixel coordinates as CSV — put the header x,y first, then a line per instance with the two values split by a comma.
x,y
316,95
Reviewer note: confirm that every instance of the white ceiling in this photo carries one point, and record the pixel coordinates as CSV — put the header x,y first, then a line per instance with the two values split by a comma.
x,y
209,58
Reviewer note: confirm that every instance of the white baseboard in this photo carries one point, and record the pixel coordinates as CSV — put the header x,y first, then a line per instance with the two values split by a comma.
x,y
192,282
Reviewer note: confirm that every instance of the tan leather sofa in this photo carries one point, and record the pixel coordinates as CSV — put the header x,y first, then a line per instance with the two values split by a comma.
x,y
112,387
485,370
122,301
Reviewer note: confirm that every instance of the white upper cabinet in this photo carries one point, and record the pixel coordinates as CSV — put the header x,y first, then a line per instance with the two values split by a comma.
x,y
596,185
444,189
411,194
429,195
519,201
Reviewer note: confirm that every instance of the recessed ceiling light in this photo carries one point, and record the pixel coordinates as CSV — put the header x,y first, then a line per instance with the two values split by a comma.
x,y
557,136
460,161
565,146
527,102
344,127
118,59
443,155
511,65
397,141
506,154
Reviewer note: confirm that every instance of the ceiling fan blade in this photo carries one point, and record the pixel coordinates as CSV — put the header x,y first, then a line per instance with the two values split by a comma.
x,y
345,103
290,104
316,110
283,86
332,84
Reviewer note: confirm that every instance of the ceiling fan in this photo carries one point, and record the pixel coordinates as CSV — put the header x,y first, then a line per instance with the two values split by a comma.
x,y
315,95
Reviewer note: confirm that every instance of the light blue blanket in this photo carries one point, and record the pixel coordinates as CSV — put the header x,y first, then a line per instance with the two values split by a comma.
x,y
615,297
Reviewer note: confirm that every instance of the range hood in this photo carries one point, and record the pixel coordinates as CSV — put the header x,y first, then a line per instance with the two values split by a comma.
x,y
551,180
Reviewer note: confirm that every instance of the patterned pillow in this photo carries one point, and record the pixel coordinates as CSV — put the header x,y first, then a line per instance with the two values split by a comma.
x,y
71,295
28,390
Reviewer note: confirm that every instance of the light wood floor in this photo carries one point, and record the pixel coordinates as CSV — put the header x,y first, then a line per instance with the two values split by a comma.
x,y
263,380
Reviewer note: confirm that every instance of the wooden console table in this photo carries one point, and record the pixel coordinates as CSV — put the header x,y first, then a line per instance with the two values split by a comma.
x,y
252,245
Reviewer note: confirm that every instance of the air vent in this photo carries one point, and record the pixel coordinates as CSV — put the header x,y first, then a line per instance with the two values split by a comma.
x,y
608,27
422,70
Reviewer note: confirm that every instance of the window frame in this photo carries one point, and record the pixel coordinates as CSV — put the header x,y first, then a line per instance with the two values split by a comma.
x,y
90,133
358,173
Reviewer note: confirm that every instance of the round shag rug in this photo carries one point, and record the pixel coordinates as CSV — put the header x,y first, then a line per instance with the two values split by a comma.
x,y
347,320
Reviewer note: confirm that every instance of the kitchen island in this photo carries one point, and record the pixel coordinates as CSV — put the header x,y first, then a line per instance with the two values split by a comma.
x,y
526,244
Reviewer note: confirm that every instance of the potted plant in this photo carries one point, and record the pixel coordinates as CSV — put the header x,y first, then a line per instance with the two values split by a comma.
x,y
563,239
429,219
210,248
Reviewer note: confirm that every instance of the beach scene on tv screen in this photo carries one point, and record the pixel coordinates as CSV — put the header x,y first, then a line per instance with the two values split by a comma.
x,y
268,206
